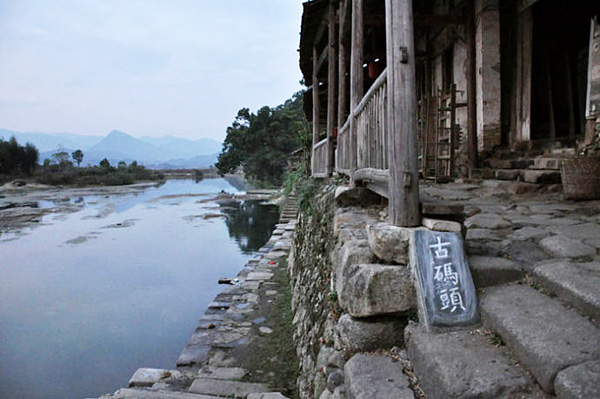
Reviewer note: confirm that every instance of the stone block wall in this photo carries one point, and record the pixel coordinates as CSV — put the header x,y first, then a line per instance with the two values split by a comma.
x,y
352,288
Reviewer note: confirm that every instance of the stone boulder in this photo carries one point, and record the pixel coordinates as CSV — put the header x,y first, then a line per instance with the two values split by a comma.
x,y
389,243
373,289
365,335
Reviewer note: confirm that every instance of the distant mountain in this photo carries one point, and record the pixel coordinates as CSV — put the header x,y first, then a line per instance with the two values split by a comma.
x,y
166,151
185,148
51,141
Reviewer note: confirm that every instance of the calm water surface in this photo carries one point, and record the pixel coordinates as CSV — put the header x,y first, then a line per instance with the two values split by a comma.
x,y
88,297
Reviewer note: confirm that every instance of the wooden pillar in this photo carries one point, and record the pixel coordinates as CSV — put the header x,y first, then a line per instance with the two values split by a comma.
x,y
331,88
471,86
402,117
524,59
316,106
343,66
356,73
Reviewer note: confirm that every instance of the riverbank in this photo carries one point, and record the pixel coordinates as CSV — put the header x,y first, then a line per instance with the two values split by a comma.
x,y
243,344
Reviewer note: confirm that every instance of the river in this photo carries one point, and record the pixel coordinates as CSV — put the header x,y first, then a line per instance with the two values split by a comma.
x,y
87,297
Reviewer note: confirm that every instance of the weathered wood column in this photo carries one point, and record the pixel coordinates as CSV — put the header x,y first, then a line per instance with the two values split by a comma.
x,y
343,66
402,118
316,107
356,74
331,88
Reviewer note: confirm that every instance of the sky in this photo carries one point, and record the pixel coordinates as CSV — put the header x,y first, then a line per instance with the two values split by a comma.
x,y
145,67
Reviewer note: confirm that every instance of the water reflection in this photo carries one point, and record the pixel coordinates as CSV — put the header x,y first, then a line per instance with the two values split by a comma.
x,y
88,297
250,222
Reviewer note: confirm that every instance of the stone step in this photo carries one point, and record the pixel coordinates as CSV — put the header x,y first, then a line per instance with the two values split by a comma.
x,y
226,388
546,163
463,365
376,377
579,381
129,393
488,271
542,176
546,336
576,283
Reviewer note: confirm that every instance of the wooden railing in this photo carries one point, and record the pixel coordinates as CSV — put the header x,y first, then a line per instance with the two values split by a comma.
x,y
345,153
362,141
371,121
320,159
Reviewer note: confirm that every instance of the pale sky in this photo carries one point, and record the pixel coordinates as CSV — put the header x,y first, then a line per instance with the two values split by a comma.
x,y
145,67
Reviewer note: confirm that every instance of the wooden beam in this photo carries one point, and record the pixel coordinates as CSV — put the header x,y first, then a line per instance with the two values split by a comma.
x,y
332,86
402,123
321,60
525,4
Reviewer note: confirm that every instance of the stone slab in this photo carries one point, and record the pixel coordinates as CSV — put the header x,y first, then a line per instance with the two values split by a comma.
x,y
489,271
193,355
259,276
579,382
266,395
462,364
222,373
490,221
576,283
376,377
445,290
146,377
209,386
579,231
542,333
128,393
564,247
441,225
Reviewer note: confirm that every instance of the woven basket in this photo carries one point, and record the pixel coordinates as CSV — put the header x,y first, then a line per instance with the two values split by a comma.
x,y
581,178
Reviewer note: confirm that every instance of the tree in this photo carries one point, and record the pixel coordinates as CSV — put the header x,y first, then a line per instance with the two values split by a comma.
x,y
260,143
104,163
77,156
15,158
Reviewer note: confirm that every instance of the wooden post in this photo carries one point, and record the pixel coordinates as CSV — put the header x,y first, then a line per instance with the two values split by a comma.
x,y
331,89
471,86
342,67
402,123
524,59
316,107
356,74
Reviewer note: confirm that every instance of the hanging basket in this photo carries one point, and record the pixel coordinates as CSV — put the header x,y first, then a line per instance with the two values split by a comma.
x,y
581,178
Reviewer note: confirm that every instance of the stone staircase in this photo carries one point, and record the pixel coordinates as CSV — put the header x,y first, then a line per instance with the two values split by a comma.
x,y
289,209
543,169
539,301
539,337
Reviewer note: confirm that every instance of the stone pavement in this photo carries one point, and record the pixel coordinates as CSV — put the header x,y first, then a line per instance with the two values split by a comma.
x,y
536,266
210,367
534,259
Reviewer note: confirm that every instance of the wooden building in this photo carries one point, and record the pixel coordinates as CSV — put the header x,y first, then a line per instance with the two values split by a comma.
x,y
402,89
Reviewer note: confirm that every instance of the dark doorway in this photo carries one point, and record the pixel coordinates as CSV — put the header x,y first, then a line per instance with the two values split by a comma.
x,y
561,31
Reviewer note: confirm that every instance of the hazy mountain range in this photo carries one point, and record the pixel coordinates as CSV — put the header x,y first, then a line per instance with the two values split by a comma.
x,y
154,152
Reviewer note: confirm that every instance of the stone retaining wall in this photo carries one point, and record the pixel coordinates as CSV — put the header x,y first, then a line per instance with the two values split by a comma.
x,y
353,289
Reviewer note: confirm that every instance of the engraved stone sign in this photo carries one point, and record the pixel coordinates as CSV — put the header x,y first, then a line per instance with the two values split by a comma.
x,y
445,289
